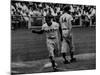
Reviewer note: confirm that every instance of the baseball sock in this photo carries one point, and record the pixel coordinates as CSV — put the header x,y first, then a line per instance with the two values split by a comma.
x,y
52,61
71,54
64,56
72,57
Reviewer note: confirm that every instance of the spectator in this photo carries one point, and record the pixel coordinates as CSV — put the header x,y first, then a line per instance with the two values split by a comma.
x,y
42,9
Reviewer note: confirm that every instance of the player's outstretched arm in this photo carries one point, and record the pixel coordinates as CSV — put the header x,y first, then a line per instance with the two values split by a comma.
x,y
38,31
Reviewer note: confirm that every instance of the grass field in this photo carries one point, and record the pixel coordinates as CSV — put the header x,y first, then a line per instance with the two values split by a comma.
x,y
29,53
26,46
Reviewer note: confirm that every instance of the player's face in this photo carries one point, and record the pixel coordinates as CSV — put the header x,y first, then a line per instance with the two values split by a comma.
x,y
48,21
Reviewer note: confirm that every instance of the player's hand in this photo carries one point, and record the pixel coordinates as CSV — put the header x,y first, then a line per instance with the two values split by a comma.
x,y
33,31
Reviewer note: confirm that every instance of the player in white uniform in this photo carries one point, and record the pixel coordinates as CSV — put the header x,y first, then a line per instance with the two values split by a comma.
x,y
67,43
51,29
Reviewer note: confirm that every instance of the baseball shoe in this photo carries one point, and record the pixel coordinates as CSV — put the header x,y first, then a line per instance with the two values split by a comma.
x,y
73,60
55,69
66,62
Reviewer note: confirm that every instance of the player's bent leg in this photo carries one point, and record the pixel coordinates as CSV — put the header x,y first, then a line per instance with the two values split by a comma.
x,y
69,41
72,50
65,60
52,61
73,59
51,56
56,48
64,51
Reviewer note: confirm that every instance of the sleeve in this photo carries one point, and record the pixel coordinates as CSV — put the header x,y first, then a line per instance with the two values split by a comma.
x,y
43,27
71,18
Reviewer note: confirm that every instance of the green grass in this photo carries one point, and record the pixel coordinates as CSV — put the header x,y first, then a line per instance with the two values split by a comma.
x,y
26,46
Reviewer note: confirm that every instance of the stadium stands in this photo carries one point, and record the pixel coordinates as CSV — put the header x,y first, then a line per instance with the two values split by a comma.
x,y
22,11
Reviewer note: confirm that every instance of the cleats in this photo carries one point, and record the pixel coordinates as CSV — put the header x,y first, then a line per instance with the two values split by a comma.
x,y
66,62
73,60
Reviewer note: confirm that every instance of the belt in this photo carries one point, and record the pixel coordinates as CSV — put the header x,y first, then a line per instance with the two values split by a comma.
x,y
65,28
51,37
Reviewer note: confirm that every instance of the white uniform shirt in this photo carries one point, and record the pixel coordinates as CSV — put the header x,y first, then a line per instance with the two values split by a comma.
x,y
51,31
65,21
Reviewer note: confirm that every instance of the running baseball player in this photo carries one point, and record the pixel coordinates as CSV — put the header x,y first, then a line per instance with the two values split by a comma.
x,y
65,21
51,29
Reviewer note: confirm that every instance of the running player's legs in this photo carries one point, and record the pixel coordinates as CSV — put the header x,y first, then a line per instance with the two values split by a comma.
x,y
51,47
56,47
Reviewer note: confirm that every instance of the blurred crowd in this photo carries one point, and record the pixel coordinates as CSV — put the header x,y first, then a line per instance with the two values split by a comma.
x,y
33,9
42,9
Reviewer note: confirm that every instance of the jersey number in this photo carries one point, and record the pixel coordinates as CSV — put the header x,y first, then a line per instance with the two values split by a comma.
x,y
64,20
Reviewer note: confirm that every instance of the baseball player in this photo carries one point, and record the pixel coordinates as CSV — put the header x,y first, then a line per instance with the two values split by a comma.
x,y
65,21
51,29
